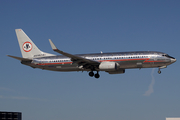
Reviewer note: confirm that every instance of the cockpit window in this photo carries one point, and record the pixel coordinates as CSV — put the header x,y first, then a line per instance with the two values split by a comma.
x,y
166,55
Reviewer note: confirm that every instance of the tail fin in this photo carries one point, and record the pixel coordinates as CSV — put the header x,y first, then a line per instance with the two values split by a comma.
x,y
27,47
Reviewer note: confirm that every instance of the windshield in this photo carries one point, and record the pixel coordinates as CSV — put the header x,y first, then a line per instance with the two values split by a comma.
x,y
166,55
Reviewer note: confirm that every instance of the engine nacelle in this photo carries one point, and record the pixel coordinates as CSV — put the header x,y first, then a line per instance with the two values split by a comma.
x,y
109,66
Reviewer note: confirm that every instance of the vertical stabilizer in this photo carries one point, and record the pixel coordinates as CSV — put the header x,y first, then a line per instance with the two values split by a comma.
x,y
27,47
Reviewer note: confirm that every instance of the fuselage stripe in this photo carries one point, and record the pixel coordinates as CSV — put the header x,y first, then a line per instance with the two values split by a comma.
x,y
145,60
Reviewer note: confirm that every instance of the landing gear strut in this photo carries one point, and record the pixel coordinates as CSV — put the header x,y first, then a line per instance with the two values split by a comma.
x,y
91,74
159,71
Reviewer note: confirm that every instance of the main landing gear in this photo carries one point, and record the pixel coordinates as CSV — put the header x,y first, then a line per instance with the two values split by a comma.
x,y
91,74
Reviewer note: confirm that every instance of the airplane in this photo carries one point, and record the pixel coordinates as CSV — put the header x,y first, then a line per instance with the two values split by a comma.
x,y
112,63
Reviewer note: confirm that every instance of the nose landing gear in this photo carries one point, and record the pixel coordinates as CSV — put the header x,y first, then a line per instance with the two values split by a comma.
x,y
91,74
159,71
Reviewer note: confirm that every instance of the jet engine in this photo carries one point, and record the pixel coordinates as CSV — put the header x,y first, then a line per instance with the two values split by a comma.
x,y
109,66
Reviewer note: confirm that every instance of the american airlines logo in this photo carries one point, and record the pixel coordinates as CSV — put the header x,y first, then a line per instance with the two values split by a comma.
x,y
27,46
39,55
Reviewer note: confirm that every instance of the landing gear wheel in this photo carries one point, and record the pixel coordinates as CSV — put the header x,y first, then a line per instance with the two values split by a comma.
x,y
159,71
96,75
91,74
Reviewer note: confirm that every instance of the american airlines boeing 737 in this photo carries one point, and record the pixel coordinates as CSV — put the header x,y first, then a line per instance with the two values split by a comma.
x,y
112,63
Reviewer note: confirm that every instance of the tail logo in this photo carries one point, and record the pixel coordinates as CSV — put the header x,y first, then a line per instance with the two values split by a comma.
x,y
27,46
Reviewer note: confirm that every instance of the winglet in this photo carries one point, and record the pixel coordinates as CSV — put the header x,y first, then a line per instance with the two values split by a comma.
x,y
52,45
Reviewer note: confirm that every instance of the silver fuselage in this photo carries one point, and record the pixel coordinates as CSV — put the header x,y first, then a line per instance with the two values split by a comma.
x,y
126,60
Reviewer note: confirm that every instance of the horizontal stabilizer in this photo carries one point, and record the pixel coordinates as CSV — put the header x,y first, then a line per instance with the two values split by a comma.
x,y
19,58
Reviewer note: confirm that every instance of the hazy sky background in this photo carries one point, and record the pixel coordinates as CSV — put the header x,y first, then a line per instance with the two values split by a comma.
x,y
90,26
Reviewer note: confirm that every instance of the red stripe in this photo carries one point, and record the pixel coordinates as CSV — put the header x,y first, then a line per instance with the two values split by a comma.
x,y
99,61
146,61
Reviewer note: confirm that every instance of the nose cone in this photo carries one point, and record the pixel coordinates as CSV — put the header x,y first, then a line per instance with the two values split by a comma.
x,y
173,60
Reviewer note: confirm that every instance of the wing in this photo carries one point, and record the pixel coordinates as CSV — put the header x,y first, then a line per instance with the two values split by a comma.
x,y
87,63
